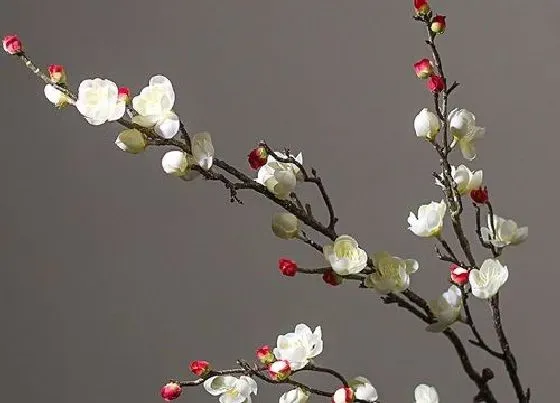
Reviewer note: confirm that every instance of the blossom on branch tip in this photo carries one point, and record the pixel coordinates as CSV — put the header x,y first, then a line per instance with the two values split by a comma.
x,y
438,24
287,267
392,274
203,150
331,278
480,195
294,396
343,395
258,157
231,389
279,370
435,84
465,179
285,225
265,355
459,275
425,394
124,94
424,68
12,45
507,232
57,97
132,141
429,221
280,178
486,282
345,256
200,368
98,101
363,389
462,125
171,391
175,163
446,309
154,105
422,7
427,124
299,347
57,73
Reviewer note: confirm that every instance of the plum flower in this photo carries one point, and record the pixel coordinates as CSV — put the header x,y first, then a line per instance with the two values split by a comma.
x,y
507,232
98,101
280,177
486,282
363,389
465,179
231,389
294,396
154,105
426,124
425,394
465,132
391,274
299,347
345,256
429,221
446,309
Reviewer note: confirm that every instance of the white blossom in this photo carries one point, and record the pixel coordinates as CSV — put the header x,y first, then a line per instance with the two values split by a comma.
x,y
231,389
429,221
57,97
203,150
507,232
345,256
486,282
426,124
446,309
425,394
299,347
294,396
285,225
392,274
465,132
465,179
280,177
154,105
175,163
132,141
98,101
363,389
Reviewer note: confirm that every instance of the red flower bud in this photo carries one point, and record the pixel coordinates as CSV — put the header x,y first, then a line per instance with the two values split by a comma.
x,y
459,275
57,73
331,278
438,24
200,368
287,266
265,355
422,7
480,195
171,391
257,157
435,84
124,93
423,68
12,45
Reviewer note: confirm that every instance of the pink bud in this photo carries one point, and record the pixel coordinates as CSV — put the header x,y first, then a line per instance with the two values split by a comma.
x,y
200,368
287,266
171,391
124,93
343,395
459,275
421,6
257,157
57,73
331,278
265,355
435,84
12,45
438,24
424,68
480,195
279,370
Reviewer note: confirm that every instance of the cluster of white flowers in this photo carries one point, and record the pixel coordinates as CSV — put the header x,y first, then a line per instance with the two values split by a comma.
x,y
280,177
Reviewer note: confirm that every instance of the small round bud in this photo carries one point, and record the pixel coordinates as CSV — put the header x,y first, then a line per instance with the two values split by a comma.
x,y
285,225
287,267
480,195
265,355
171,391
422,7
435,84
200,368
331,278
57,73
257,157
459,275
12,45
438,24
132,141
424,68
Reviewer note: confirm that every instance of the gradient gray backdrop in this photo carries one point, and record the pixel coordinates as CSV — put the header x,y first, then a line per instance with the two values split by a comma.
x,y
115,276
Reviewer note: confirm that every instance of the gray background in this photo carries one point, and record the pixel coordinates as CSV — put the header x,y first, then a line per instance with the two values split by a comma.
x,y
115,276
